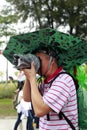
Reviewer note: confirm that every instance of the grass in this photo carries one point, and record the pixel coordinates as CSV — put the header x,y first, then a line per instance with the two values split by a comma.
x,y
6,100
6,108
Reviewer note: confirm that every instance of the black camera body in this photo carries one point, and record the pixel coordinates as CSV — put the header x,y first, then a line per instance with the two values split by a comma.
x,y
24,61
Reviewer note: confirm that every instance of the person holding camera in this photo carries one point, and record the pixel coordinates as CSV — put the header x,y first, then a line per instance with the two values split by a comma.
x,y
51,98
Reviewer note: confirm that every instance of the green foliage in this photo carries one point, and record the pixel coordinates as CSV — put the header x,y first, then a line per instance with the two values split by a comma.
x,y
82,76
7,91
54,13
7,18
6,99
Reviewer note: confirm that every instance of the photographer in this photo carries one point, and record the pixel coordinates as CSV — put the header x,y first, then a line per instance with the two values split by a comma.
x,y
60,95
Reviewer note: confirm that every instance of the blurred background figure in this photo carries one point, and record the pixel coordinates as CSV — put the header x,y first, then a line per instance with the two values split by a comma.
x,y
20,83
18,98
24,109
20,79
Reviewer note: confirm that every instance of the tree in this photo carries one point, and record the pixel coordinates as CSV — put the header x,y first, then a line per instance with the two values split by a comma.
x,y
54,13
7,18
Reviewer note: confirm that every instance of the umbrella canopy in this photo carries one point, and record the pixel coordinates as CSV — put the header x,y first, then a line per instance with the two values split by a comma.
x,y
70,51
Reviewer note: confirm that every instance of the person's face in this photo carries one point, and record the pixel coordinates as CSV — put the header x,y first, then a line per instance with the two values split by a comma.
x,y
44,62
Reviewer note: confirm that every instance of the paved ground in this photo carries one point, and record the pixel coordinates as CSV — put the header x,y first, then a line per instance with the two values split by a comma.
x,y
7,123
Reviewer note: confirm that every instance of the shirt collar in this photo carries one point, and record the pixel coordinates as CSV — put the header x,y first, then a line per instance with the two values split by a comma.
x,y
47,80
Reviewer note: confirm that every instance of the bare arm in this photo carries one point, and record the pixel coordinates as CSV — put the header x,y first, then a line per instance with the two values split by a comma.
x,y
39,106
27,91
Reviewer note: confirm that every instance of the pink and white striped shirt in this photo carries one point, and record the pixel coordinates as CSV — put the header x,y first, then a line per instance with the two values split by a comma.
x,y
60,96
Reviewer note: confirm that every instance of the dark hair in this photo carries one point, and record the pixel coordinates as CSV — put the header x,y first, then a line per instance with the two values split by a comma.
x,y
20,85
45,50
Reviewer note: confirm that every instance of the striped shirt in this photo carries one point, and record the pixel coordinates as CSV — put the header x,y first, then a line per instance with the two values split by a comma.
x,y
60,96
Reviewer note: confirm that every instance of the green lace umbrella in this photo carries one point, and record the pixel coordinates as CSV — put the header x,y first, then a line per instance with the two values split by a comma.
x,y
70,51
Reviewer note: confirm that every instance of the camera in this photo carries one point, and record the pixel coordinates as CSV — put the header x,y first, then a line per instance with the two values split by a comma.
x,y
24,61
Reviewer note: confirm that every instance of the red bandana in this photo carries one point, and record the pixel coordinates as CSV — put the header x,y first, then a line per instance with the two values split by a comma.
x,y
47,80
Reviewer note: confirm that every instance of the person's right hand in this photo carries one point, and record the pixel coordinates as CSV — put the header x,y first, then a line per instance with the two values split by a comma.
x,y
30,73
